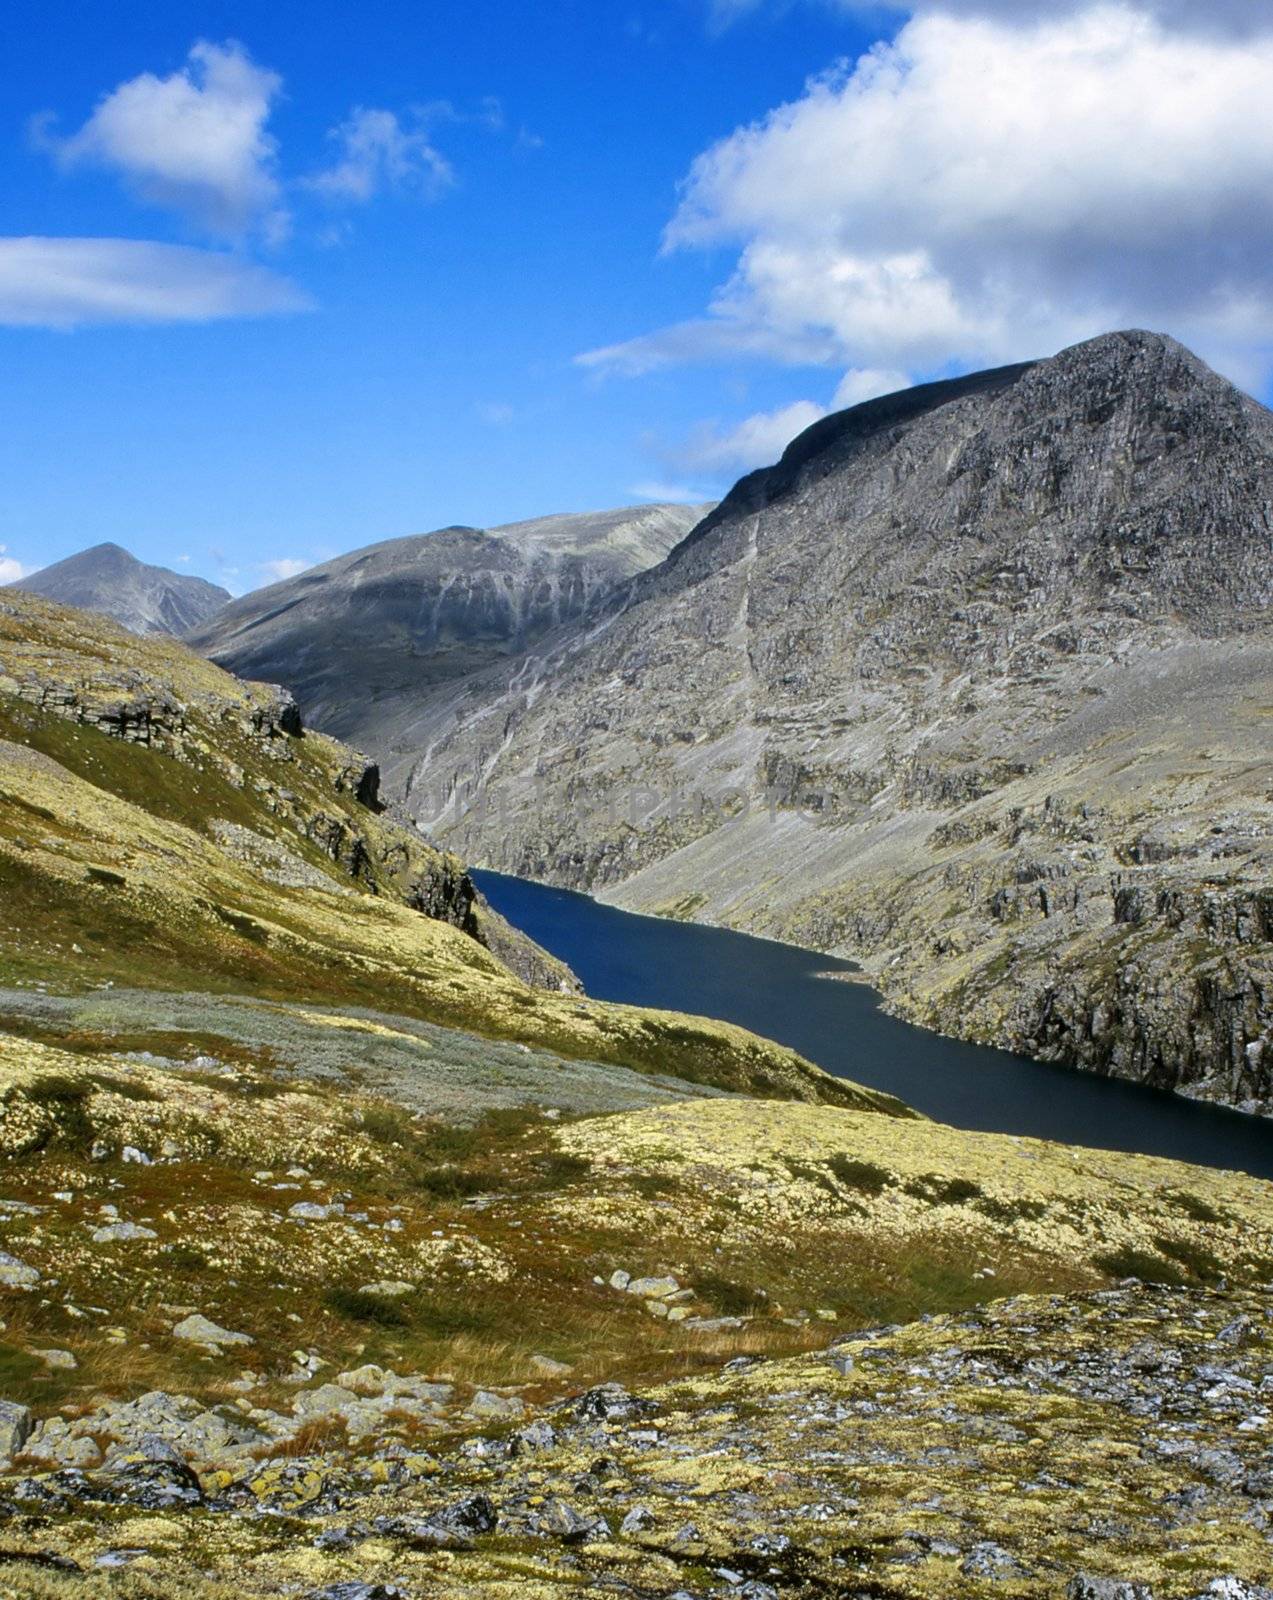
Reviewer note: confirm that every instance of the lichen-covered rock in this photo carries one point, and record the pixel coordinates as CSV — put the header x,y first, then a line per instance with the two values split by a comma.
x,y
199,1329
15,1428
15,1274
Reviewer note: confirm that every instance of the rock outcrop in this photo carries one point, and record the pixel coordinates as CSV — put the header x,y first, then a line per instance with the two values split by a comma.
x,y
974,686
143,599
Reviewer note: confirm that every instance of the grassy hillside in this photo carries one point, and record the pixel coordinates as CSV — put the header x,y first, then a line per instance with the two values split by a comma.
x,y
163,825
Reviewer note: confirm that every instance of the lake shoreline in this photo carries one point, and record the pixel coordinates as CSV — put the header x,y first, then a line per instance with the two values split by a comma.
x,y
779,990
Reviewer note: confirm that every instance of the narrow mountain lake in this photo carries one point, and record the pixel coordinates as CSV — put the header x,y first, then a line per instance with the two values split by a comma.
x,y
783,992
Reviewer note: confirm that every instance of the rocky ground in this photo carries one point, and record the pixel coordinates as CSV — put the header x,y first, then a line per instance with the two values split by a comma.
x,y
261,1321
1104,1447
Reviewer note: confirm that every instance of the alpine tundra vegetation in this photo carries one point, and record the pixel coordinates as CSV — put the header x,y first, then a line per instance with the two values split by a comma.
x,y
351,1251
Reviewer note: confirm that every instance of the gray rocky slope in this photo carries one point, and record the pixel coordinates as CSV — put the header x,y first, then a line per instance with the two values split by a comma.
x,y
381,640
975,685
142,598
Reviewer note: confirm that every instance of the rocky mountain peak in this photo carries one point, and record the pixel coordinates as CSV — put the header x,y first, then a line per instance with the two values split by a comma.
x,y
107,579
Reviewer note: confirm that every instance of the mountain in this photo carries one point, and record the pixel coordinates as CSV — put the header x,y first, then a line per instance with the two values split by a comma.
x,y
141,598
975,685
350,1251
382,639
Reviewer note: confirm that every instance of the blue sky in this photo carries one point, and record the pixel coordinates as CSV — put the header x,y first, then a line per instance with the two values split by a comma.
x,y
278,281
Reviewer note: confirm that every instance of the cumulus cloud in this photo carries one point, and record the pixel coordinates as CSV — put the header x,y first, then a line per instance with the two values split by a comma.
x,y
1207,16
978,190
868,383
69,283
378,151
754,442
10,570
194,142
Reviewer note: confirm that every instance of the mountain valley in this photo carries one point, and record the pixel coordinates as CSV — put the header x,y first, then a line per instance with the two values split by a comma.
x,y
973,686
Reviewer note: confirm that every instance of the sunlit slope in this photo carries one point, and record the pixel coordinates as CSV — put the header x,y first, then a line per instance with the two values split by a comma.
x,y
164,825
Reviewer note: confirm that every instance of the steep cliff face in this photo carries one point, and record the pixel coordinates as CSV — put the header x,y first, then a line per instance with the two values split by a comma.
x,y
975,685
379,642
143,599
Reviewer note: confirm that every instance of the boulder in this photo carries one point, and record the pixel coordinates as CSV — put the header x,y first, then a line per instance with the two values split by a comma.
x,y
653,1288
15,1428
15,1274
488,1407
116,1232
199,1330
60,1360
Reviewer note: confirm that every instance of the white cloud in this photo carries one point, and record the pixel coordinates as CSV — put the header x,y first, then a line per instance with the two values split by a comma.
x,y
194,142
377,151
10,570
67,283
759,440
868,383
284,567
711,339
977,191
754,442
1208,16
677,494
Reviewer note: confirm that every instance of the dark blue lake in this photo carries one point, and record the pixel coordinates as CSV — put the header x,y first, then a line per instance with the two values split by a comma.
x,y
780,990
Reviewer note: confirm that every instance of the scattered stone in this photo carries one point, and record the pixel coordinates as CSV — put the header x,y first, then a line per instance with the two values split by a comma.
x,y
488,1407
122,1231
560,1520
363,1380
551,1368
653,1288
608,1402
311,1211
15,1274
356,1590
537,1435
199,1330
153,1479
1086,1587
61,1360
620,1279
327,1399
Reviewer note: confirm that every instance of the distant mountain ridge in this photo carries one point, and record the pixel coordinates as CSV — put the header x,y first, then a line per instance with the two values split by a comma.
x,y
384,638
142,598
